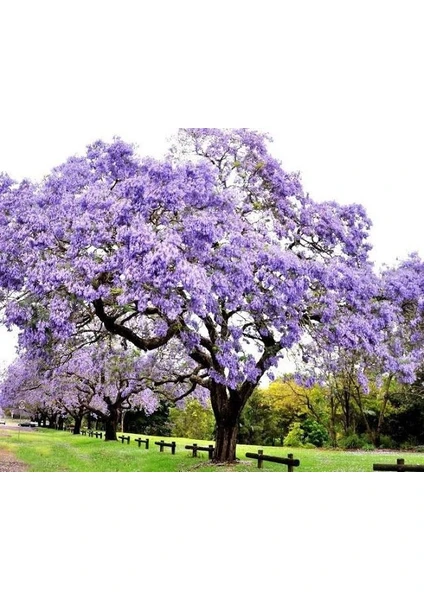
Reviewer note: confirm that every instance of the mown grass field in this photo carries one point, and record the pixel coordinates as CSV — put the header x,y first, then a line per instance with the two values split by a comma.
x,y
44,450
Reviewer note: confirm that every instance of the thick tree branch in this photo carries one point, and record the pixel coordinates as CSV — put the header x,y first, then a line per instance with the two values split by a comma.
x,y
118,329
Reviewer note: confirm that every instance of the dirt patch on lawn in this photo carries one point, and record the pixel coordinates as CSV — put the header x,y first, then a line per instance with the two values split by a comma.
x,y
9,463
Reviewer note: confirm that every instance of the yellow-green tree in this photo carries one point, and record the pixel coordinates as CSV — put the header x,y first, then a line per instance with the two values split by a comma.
x,y
194,421
272,411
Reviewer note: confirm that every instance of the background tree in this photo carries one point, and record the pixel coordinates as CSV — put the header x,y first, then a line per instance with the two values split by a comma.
x,y
157,423
100,380
25,383
108,379
192,420
271,414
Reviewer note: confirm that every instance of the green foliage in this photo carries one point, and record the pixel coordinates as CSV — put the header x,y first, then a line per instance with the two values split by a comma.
x,y
405,423
193,421
158,423
315,433
387,442
354,441
295,436
270,412
259,423
340,412
308,434
285,410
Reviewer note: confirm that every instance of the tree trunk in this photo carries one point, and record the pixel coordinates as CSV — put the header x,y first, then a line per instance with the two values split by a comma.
x,y
226,442
110,431
382,411
368,427
227,407
333,420
77,425
346,405
111,424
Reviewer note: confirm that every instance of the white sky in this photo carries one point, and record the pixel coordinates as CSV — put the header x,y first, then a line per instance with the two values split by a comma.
x,y
337,84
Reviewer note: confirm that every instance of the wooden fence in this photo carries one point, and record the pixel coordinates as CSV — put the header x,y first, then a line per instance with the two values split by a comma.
x,y
400,467
261,457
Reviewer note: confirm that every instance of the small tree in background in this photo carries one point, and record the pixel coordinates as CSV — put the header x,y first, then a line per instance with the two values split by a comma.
x,y
193,421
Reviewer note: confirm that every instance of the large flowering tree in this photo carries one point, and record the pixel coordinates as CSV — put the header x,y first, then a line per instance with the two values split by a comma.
x,y
216,245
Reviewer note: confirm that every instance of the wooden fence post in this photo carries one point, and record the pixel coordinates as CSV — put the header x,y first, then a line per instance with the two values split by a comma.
x,y
290,467
260,461
400,464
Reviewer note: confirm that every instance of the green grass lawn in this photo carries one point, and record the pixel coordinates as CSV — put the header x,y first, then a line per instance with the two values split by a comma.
x,y
49,450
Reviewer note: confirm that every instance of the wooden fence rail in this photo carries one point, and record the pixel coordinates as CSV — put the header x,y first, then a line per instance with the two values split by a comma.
x,y
196,448
399,467
163,445
140,441
261,457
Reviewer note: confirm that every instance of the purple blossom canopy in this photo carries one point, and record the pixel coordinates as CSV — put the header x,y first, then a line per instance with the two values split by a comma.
x,y
217,245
